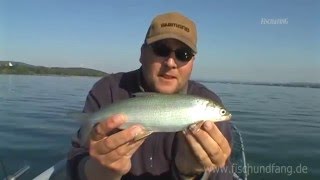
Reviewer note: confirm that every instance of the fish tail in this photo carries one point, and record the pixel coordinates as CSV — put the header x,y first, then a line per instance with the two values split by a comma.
x,y
85,130
86,125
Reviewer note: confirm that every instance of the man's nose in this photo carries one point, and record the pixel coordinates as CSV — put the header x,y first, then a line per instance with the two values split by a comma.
x,y
171,61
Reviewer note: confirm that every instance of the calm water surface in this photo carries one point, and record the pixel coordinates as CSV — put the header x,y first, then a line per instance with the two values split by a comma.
x,y
280,125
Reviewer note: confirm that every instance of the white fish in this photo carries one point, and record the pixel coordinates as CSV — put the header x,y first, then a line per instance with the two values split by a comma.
x,y
160,112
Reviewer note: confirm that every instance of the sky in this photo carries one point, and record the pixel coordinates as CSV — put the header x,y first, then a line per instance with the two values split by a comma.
x,y
237,40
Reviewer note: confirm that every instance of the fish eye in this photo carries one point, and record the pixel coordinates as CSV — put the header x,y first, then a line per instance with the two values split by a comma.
x,y
223,112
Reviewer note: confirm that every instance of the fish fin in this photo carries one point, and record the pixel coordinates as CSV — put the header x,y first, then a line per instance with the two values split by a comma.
x,y
133,123
196,126
146,131
144,94
126,125
142,135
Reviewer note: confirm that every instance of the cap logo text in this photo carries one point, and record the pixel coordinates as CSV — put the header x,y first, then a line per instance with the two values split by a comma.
x,y
175,25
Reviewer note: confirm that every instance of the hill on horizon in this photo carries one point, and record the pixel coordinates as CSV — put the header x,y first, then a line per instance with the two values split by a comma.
x,y
15,67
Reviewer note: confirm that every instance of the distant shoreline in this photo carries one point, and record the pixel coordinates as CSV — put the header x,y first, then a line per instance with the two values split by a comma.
x,y
293,84
51,75
19,68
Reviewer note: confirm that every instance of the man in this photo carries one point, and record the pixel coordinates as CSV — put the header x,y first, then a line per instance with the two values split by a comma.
x,y
167,58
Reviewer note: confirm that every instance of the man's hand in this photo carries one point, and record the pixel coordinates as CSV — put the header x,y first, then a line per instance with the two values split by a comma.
x,y
201,148
110,151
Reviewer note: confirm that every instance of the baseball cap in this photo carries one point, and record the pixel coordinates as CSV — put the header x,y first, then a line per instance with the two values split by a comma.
x,y
173,25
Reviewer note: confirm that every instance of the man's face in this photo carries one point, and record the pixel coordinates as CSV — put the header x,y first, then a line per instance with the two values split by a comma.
x,y
165,74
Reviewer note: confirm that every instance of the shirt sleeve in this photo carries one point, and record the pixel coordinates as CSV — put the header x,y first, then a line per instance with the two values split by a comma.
x,y
97,97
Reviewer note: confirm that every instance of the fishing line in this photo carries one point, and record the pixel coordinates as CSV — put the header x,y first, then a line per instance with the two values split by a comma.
x,y
242,150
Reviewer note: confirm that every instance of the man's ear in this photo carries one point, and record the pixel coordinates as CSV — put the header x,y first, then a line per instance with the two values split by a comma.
x,y
142,52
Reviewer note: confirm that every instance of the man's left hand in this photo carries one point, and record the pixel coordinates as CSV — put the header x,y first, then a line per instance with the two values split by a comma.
x,y
201,148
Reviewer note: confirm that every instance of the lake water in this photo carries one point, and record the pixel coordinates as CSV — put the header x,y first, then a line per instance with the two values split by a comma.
x,y
280,125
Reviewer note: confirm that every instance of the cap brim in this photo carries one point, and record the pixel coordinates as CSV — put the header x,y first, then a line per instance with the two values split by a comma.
x,y
173,36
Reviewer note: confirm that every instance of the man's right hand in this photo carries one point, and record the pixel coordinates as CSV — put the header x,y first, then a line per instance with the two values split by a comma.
x,y
110,151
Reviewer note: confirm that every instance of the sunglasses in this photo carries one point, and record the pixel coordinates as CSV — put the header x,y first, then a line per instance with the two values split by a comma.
x,y
183,54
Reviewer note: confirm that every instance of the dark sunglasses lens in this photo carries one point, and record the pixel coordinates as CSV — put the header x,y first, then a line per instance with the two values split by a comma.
x,y
161,50
184,54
